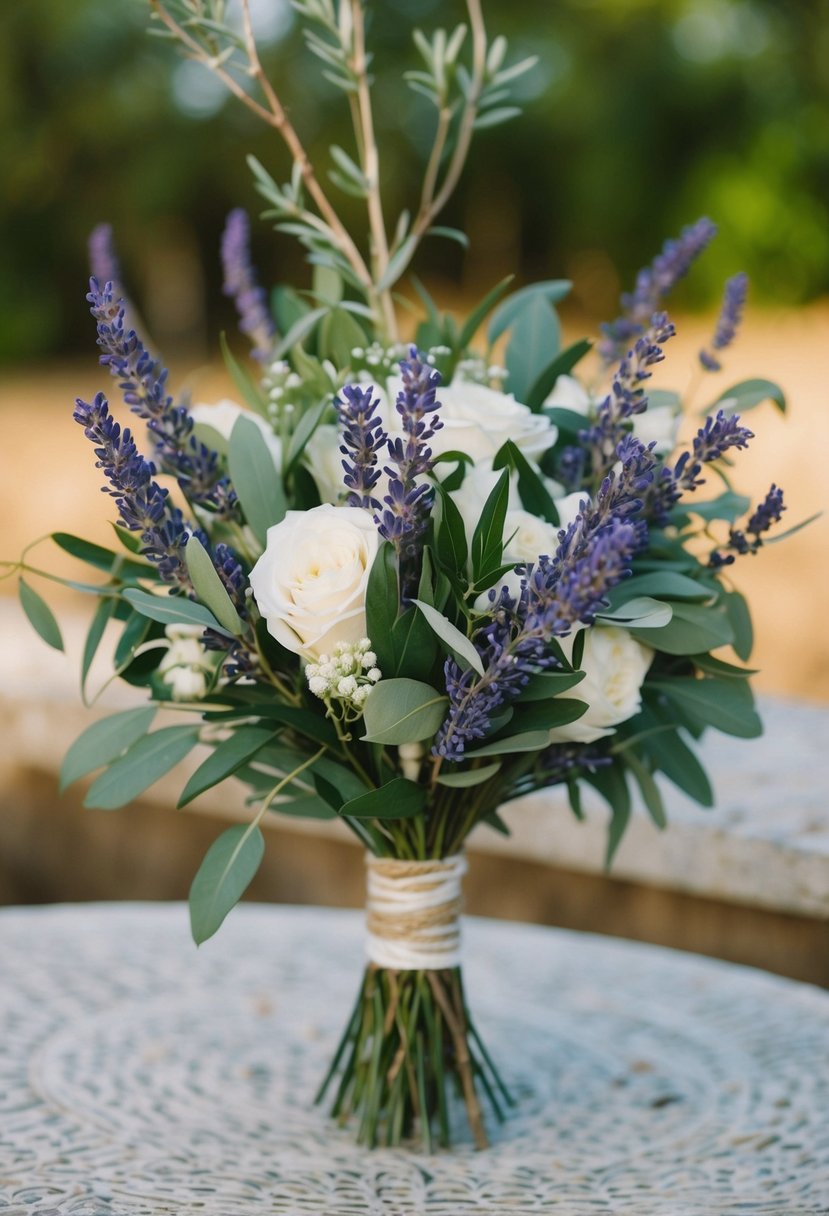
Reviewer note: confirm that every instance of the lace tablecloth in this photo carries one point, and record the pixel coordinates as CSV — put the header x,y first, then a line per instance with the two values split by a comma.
x,y
140,1077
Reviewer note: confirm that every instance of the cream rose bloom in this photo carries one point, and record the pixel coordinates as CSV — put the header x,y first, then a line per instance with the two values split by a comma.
x,y
310,583
615,666
476,420
223,415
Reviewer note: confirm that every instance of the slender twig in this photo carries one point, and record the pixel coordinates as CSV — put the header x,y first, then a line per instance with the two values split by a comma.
x,y
367,148
457,1028
429,209
274,115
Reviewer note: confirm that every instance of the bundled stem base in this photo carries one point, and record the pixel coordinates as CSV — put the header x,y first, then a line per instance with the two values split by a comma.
x,y
409,1049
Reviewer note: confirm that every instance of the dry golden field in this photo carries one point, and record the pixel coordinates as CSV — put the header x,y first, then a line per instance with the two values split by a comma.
x,y
49,481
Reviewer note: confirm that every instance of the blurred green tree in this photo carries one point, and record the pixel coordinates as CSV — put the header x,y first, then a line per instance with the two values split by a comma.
x,y
641,115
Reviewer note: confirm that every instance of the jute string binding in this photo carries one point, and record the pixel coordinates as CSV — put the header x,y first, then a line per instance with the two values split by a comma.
x,y
413,913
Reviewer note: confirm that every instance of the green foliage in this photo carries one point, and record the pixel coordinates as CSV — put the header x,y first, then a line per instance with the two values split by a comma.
x,y
103,742
173,610
255,479
223,877
209,587
143,763
40,615
403,711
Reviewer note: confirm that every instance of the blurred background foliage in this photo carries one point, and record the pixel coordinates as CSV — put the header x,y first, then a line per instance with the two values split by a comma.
x,y
640,116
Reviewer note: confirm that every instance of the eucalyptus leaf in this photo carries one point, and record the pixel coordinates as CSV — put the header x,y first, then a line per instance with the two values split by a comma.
x,y
531,741
504,316
103,742
398,799
561,365
750,393
246,386
103,615
728,506
725,705
466,778
382,604
102,558
692,630
225,759
739,618
40,615
300,329
403,711
480,312
173,610
255,478
209,587
544,685
642,611
661,585
650,790
535,338
225,874
144,762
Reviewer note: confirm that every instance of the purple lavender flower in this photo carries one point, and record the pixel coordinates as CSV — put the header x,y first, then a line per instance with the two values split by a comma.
x,y
363,436
731,313
240,282
768,513
653,283
143,505
143,381
719,434
103,258
404,516
555,594
626,397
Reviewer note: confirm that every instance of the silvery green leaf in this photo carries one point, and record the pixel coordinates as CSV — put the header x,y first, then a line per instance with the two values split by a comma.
x,y
40,615
403,711
209,587
103,742
457,642
141,766
222,878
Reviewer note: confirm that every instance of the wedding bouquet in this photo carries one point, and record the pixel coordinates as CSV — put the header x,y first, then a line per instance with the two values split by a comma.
x,y
400,584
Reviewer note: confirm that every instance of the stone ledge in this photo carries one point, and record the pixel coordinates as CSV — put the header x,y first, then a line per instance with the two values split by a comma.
x,y
766,844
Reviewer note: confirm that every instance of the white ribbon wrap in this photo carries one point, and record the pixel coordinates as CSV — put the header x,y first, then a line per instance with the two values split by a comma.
x,y
413,913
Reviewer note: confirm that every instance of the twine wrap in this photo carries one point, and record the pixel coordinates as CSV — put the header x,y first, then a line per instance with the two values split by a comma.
x,y
413,913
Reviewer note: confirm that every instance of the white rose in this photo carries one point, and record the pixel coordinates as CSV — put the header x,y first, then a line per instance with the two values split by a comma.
x,y
310,583
569,394
222,417
615,665
325,460
476,420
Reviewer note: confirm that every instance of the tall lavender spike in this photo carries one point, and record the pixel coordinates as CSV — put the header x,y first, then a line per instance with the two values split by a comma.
x,y
103,257
764,516
405,515
719,434
363,437
626,397
731,313
240,282
555,594
143,381
653,283
143,505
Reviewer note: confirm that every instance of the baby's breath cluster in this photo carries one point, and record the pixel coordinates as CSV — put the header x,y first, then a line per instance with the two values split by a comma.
x,y
344,679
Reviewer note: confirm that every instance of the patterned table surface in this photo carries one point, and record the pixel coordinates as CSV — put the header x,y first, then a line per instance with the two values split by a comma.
x,y
140,1077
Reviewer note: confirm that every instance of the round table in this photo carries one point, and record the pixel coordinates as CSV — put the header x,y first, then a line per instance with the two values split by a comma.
x,y
140,1076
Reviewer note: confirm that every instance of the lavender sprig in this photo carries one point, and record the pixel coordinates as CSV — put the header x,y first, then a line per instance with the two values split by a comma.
x,y
653,283
143,505
719,434
103,258
363,437
626,397
731,313
768,513
404,516
143,381
241,284
555,594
